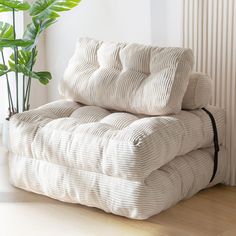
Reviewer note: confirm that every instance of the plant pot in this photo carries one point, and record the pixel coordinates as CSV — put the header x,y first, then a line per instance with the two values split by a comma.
x,y
5,134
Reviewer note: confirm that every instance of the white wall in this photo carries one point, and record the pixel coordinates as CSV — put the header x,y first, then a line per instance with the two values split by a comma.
x,y
166,23
104,19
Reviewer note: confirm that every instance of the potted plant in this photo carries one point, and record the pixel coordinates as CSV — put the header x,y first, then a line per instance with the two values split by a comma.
x,y
20,65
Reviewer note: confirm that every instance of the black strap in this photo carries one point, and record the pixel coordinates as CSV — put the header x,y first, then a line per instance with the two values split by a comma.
x,y
216,143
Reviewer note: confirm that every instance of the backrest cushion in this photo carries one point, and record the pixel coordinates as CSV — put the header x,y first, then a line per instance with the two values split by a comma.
x,y
198,93
128,77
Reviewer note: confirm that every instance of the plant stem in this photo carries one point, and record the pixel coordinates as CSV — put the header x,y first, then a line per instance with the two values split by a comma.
x,y
26,93
23,94
10,101
16,61
27,96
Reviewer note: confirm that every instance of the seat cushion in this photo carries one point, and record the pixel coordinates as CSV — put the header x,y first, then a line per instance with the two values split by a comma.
x,y
180,178
24,126
113,143
128,77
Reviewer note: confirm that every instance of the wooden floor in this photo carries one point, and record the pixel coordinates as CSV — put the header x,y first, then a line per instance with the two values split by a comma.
x,y
210,212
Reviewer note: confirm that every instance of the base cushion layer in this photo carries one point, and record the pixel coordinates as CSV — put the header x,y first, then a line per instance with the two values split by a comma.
x,y
179,179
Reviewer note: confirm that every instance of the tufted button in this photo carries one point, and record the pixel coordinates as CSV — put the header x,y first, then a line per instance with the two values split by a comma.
x,y
88,114
108,55
119,120
136,58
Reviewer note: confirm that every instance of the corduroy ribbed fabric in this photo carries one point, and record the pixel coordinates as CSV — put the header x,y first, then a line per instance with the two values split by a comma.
x,y
113,143
128,77
179,179
198,93
108,148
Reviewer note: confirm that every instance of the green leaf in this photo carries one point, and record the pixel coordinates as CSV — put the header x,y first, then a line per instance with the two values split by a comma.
x,y
31,33
6,31
24,67
42,9
34,29
8,5
44,14
44,77
24,59
47,22
15,43
3,69
3,73
4,8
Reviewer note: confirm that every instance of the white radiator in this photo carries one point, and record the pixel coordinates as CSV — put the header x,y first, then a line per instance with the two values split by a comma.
x,y
209,28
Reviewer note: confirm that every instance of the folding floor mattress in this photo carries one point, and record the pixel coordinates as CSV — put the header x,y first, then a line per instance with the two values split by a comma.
x,y
120,140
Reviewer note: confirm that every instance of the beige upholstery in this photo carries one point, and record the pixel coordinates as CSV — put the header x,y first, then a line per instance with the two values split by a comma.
x,y
198,93
120,141
128,77
181,178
